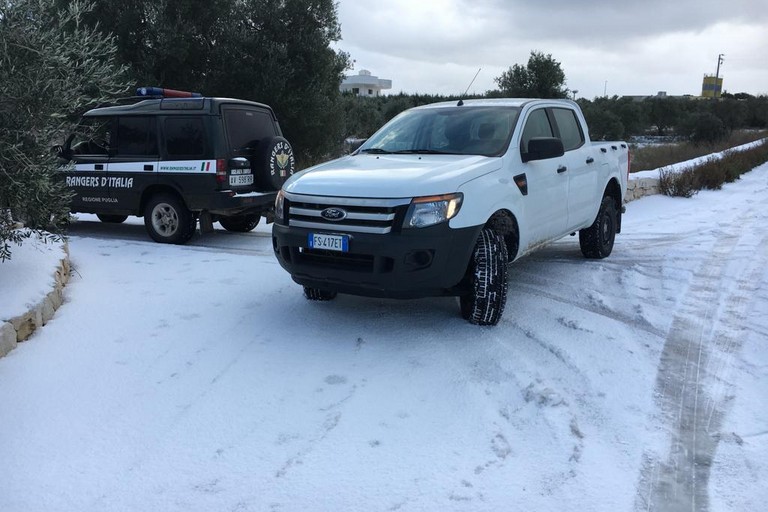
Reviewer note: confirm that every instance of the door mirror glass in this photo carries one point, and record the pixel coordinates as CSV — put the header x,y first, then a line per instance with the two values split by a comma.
x,y
543,148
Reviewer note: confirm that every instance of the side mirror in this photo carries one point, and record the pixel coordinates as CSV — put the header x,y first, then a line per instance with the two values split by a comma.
x,y
543,148
354,144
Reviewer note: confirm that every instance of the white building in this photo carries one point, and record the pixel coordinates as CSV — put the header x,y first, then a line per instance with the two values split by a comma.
x,y
364,84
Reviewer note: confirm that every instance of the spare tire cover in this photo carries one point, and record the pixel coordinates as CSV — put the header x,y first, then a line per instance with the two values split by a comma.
x,y
277,162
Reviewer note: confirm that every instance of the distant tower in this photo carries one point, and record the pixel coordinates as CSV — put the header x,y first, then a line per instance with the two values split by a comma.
x,y
711,87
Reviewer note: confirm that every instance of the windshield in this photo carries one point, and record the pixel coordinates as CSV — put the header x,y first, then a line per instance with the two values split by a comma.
x,y
462,130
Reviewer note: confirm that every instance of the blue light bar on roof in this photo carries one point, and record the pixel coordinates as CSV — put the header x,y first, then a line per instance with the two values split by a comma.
x,y
166,93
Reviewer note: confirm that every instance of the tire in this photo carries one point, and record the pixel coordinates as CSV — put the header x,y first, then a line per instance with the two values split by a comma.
x,y
240,223
487,276
318,294
168,220
596,241
274,163
112,219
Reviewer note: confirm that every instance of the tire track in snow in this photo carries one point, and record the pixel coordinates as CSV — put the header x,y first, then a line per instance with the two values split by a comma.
x,y
693,379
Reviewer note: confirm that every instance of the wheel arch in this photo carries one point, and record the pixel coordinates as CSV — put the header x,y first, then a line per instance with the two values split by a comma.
x,y
159,189
504,222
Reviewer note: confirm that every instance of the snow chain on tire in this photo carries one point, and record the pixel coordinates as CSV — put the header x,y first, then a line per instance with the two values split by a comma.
x,y
487,273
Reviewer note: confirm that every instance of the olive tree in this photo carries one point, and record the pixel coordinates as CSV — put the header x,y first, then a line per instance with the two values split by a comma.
x,y
542,77
51,65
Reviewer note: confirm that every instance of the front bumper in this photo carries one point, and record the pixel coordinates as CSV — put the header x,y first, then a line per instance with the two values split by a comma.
x,y
412,263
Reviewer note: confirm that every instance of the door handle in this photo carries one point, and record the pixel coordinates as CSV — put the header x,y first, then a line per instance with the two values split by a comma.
x,y
98,167
590,160
149,167
561,169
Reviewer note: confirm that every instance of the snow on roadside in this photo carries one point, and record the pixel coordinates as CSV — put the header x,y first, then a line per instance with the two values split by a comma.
x,y
654,173
28,276
198,378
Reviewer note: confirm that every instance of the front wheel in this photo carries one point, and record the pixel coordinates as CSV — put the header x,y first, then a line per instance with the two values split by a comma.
x,y
318,294
168,220
487,276
240,223
596,241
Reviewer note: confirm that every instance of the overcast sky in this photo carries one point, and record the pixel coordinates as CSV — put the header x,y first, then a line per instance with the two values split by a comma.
x,y
604,46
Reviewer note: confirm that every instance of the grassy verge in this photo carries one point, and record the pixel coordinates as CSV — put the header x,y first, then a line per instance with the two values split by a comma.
x,y
655,156
713,173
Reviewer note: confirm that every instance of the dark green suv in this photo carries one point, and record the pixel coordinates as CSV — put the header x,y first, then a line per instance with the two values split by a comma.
x,y
174,160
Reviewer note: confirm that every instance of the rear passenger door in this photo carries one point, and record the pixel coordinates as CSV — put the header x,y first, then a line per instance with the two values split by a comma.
x,y
582,168
133,164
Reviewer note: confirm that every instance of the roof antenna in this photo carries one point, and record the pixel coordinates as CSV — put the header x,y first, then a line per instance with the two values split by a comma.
x,y
461,101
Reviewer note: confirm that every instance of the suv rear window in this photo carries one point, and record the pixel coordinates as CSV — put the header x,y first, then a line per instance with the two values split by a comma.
x,y
246,128
184,137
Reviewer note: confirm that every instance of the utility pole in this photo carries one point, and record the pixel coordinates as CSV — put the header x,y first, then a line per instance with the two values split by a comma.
x,y
717,75
605,89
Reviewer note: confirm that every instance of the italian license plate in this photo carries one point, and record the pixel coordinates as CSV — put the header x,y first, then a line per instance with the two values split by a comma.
x,y
241,179
328,242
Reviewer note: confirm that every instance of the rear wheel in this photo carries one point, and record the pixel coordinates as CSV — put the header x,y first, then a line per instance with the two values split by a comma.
x,y
240,223
596,241
487,276
168,220
318,294
112,219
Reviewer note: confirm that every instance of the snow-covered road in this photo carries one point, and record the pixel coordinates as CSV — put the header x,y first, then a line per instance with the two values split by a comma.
x,y
198,378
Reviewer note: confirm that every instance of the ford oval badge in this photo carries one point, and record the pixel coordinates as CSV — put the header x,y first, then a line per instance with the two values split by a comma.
x,y
333,214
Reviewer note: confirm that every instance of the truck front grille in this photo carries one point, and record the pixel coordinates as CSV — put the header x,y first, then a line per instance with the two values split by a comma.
x,y
377,216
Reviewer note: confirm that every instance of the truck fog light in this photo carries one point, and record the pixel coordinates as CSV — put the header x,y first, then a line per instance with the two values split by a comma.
x,y
431,210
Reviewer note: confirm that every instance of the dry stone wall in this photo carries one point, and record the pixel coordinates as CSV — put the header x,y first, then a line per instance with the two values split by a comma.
x,y
641,187
21,327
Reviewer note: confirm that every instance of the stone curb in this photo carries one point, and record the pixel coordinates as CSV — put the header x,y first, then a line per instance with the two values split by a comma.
x,y
21,327
637,188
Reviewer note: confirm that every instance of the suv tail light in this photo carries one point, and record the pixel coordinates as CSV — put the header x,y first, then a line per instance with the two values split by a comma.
x,y
221,171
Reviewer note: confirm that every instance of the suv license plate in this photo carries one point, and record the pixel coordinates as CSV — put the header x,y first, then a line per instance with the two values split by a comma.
x,y
241,179
328,242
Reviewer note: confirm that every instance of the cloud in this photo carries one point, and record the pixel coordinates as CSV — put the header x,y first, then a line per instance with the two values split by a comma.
x,y
437,46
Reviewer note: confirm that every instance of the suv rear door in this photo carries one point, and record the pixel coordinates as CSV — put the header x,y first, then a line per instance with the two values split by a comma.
x,y
247,130
133,164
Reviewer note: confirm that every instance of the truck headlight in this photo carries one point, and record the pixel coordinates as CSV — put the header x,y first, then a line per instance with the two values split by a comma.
x,y
431,210
279,211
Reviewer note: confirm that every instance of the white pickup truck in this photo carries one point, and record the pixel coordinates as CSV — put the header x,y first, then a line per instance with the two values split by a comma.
x,y
444,196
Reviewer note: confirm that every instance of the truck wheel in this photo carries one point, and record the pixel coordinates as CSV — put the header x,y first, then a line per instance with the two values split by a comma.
x,y
112,219
168,220
318,294
240,223
487,273
597,240
274,164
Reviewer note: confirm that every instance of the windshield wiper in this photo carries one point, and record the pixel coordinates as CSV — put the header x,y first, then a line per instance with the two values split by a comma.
x,y
377,151
424,152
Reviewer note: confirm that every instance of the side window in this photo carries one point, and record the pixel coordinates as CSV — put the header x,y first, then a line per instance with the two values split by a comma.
x,y
570,130
184,137
246,128
136,136
92,136
537,125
